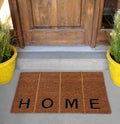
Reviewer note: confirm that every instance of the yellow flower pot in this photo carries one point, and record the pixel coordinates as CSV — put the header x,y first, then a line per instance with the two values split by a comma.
x,y
114,68
7,68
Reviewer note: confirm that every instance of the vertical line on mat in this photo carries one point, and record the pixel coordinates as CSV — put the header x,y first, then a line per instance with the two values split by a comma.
x,y
37,92
83,95
60,92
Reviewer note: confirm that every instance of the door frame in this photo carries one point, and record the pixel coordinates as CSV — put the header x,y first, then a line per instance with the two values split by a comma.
x,y
102,35
16,21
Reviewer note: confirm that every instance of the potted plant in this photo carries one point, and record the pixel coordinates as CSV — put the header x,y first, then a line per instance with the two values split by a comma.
x,y
8,54
113,54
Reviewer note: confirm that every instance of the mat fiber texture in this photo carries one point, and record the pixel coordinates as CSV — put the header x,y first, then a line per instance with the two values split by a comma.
x,y
61,92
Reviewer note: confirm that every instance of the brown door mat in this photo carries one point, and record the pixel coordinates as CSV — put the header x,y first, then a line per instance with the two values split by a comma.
x,y
61,92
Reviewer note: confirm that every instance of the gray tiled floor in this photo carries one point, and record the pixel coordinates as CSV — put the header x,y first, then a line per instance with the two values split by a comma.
x,y
7,92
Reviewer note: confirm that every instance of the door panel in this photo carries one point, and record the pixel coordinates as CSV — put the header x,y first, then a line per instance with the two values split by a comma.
x,y
69,12
57,36
56,22
56,12
45,12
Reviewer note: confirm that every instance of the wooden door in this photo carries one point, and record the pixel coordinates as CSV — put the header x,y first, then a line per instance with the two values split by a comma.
x,y
53,22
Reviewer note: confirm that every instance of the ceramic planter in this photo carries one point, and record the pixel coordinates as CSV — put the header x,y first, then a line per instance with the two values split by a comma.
x,y
7,68
114,68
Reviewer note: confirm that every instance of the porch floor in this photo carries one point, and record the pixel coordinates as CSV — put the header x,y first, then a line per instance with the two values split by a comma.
x,y
81,60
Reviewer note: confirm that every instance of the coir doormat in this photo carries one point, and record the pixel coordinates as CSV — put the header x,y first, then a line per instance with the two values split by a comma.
x,y
61,92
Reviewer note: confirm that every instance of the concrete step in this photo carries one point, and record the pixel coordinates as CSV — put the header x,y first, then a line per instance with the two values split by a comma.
x,y
62,58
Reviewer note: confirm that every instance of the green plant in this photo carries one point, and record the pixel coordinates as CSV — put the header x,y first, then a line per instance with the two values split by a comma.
x,y
5,38
115,38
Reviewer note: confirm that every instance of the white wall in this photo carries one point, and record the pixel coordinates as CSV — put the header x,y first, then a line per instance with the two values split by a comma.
x,y
5,11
